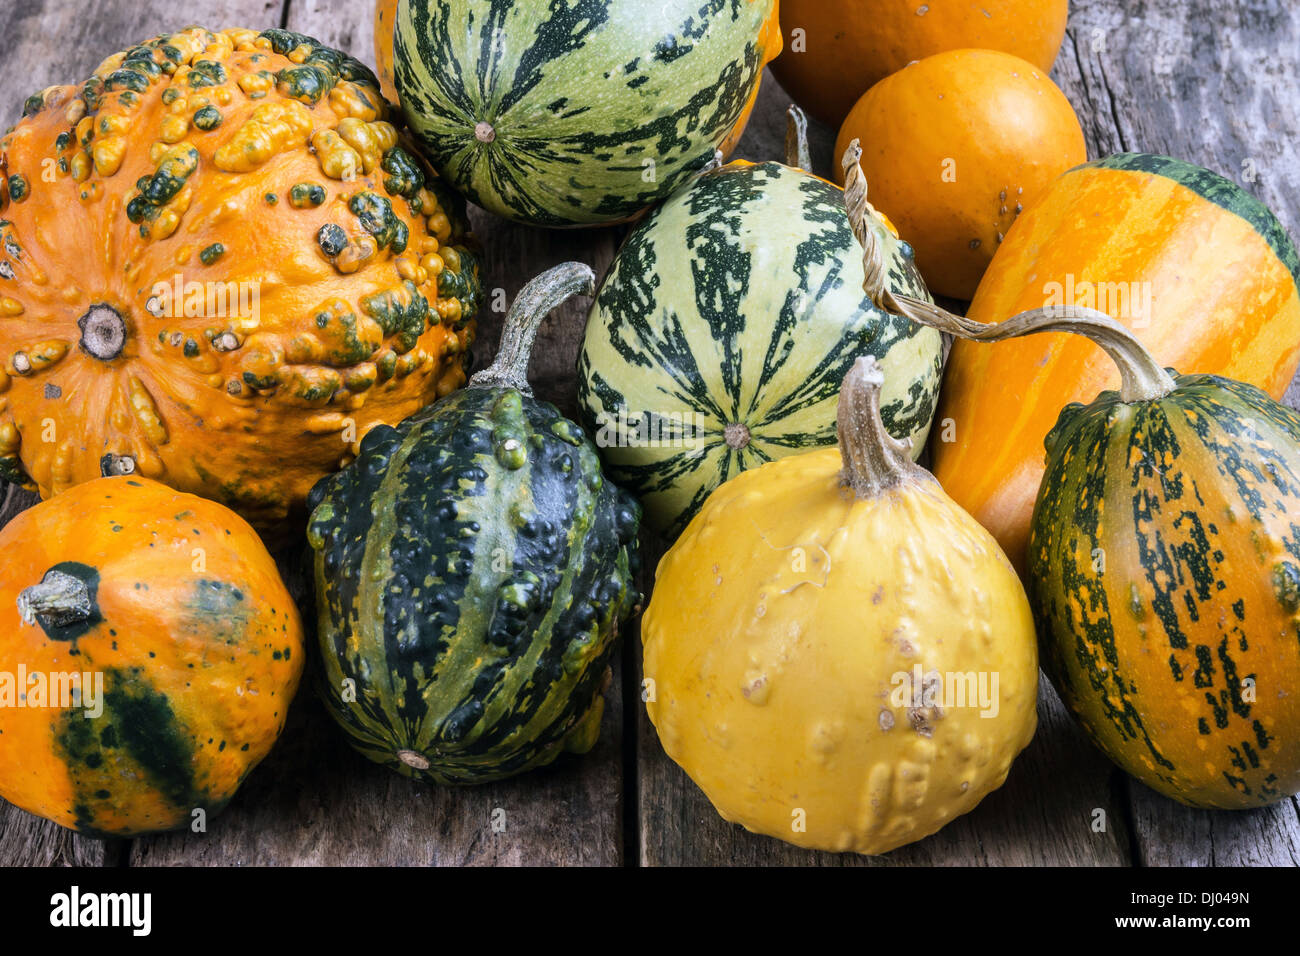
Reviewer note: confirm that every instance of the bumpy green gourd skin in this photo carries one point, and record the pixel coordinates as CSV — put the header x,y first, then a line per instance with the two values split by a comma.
x,y
1164,574
472,570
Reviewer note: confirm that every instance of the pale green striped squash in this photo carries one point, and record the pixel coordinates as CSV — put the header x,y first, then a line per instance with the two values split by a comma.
x,y
725,327
564,112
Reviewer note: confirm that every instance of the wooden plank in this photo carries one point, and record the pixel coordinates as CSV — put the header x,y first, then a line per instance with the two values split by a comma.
x,y
1169,834
27,840
1214,83
347,25
316,802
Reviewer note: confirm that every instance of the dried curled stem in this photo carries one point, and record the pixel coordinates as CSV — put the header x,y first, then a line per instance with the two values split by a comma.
x,y
535,302
1141,377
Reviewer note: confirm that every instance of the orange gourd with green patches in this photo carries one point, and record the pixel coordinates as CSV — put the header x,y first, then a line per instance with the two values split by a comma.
x,y
219,267
1164,570
194,648
1164,567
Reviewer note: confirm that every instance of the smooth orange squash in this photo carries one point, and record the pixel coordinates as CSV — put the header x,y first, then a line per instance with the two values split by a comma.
x,y
843,47
954,147
186,646
1202,273
220,264
385,10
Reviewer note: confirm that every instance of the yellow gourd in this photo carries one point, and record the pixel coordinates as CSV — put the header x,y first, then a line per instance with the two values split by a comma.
x,y
811,630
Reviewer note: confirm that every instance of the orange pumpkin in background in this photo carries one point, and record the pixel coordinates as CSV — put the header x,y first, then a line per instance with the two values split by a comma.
x,y
220,265
846,46
954,148
385,11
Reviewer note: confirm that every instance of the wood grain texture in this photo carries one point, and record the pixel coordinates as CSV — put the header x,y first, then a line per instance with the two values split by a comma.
x,y
27,840
53,42
1169,834
347,25
316,802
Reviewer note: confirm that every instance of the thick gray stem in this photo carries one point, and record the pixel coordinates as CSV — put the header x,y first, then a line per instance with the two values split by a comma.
x,y
874,460
60,598
533,304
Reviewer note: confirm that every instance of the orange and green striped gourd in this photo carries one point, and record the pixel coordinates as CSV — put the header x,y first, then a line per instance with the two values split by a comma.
x,y
1199,270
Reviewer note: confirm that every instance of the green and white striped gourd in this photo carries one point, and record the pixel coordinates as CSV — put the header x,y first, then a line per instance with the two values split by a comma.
x,y
724,328
569,112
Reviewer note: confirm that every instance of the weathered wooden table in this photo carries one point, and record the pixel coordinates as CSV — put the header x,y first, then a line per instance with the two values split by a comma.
x,y
1213,81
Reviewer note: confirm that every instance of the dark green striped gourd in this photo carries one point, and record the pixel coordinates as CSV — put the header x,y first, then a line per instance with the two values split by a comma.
x,y
472,570
725,326
563,112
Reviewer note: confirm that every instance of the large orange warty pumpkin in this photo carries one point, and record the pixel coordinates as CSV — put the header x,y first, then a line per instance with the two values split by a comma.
x,y
219,266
